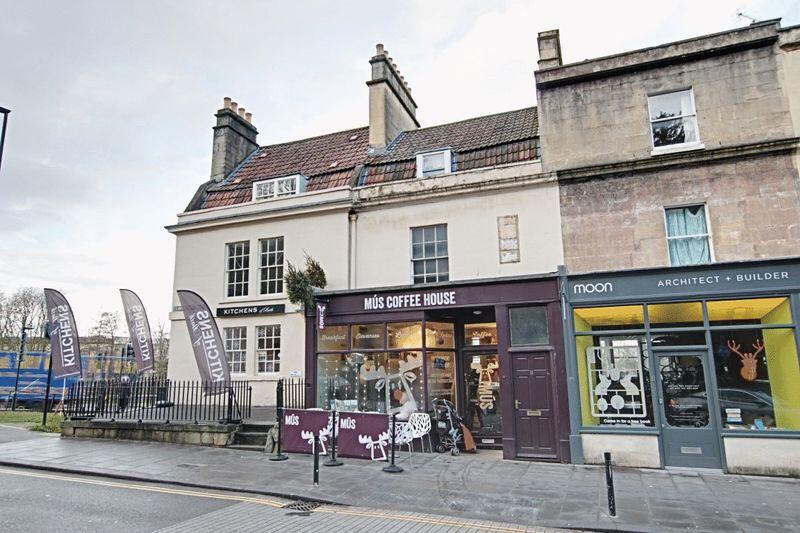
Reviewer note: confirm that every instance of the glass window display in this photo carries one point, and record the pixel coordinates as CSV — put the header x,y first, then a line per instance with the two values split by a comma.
x,y
332,339
483,334
367,336
483,414
441,376
439,335
404,335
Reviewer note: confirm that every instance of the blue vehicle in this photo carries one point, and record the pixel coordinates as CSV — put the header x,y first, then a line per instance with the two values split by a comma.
x,y
33,375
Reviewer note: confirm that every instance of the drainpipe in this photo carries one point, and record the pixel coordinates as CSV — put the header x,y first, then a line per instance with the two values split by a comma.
x,y
352,239
573,383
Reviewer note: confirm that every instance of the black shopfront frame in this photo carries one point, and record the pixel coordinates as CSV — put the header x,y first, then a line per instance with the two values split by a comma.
x,y
703,283
409,303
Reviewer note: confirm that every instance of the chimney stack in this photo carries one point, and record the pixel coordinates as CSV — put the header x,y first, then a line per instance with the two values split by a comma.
x,y
391,108
234,139
549,49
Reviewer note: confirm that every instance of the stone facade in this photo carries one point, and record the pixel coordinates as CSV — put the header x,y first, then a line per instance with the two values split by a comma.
x,y
617,222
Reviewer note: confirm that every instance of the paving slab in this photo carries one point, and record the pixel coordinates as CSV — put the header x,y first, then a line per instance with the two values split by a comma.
x,y
482,486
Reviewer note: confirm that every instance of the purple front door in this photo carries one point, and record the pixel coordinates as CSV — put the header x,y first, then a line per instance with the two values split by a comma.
x,y
534,413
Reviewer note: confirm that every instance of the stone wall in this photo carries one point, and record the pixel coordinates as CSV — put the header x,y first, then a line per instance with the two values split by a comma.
x,y
198,434
618,222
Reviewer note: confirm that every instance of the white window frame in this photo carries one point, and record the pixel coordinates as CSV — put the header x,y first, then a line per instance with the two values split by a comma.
x,y
271,355
236,356
264,269
447,154
228,271
278,187
436,258
708,233
693,145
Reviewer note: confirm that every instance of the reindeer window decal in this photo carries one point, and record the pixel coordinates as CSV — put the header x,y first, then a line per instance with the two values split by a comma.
x,y
749,371
407,373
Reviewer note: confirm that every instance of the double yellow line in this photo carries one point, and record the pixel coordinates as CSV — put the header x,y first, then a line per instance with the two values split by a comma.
x,y
264,501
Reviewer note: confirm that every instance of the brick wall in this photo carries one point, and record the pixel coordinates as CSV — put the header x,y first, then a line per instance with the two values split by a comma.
x,y
618,222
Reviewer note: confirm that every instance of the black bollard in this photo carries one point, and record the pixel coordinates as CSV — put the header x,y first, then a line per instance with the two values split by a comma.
x,y
316,460
393,468
612,504
278,455
332,460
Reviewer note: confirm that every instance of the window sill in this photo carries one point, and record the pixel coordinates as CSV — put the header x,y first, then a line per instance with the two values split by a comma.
x,y
264,298
676,148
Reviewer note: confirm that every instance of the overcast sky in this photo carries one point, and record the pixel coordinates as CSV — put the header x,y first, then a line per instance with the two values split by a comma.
x,y
112,104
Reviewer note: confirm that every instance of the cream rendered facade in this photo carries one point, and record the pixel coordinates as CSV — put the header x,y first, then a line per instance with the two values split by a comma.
x,y
361,237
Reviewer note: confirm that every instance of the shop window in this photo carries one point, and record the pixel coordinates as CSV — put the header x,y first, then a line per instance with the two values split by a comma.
x,y
751,311
373,382
404,335
687,235
603,318
528,325
271,265
441,377
678,338
614,378
439,335
237,269
673,120
429,255
236,349
332,339
483,414
268,348
676,315
484,334
367,336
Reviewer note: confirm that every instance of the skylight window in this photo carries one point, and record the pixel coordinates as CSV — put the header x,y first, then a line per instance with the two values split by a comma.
x,y
279,187
434,163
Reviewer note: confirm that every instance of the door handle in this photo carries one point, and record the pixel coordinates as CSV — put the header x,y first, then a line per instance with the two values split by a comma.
x,y
516,404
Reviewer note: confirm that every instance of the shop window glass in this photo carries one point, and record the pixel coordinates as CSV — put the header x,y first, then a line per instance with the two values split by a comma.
x,y
683,314
679,338
405,335
602,318
614,377
752,311
758,378
337,382
483,394
391,380
528,325
367,336
683,389
439,335
441,377
480,334
332,339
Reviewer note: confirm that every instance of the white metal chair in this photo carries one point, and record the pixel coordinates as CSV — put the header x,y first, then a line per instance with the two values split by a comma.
x,y
421,427
404,437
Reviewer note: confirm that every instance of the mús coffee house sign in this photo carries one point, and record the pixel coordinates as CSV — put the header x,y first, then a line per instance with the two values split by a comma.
x,y
735,278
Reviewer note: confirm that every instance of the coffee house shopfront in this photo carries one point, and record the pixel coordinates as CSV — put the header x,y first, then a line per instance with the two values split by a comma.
x,y
686,367
493,349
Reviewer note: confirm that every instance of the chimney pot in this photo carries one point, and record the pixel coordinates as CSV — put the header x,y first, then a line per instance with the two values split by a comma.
x,y
234,106
226,102
379,51
248,117
241,111
549,49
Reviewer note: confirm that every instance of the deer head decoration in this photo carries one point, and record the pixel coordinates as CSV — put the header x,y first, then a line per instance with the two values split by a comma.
x,y
749,359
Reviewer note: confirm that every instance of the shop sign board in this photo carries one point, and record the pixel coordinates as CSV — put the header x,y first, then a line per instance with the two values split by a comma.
x,y
361,435
251,310
733,278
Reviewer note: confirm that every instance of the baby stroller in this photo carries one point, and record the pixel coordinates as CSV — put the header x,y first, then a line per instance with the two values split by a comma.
x,y
450,428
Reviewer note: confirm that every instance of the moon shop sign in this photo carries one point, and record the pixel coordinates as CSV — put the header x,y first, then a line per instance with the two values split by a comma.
x,y
360,435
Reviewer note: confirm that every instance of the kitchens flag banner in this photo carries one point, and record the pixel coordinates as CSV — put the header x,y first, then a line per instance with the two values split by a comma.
x,y
138,329
65,346
208,346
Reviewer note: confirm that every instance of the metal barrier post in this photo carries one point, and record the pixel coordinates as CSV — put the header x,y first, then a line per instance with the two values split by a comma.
x,y
316,460
612,504
279,455
393,468
333,461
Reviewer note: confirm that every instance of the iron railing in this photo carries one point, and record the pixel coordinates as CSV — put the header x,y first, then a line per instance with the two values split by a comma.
x,y
159,400
294,393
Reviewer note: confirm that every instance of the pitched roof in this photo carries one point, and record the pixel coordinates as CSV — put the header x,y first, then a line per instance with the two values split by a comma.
x,y
342,158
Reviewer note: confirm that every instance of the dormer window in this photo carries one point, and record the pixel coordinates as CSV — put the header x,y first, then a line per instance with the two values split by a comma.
x,y
277,187
434,163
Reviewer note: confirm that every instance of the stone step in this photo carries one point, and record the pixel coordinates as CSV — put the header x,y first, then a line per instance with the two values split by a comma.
x,y
257,438
247,447
256,427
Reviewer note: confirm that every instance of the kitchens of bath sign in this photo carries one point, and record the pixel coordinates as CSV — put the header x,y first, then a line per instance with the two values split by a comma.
x,y
251,310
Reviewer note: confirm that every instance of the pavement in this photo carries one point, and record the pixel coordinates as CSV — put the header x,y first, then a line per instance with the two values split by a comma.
x,y
476,487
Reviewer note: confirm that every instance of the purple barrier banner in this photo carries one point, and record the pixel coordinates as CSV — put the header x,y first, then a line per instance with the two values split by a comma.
x,y
300,426
364,435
